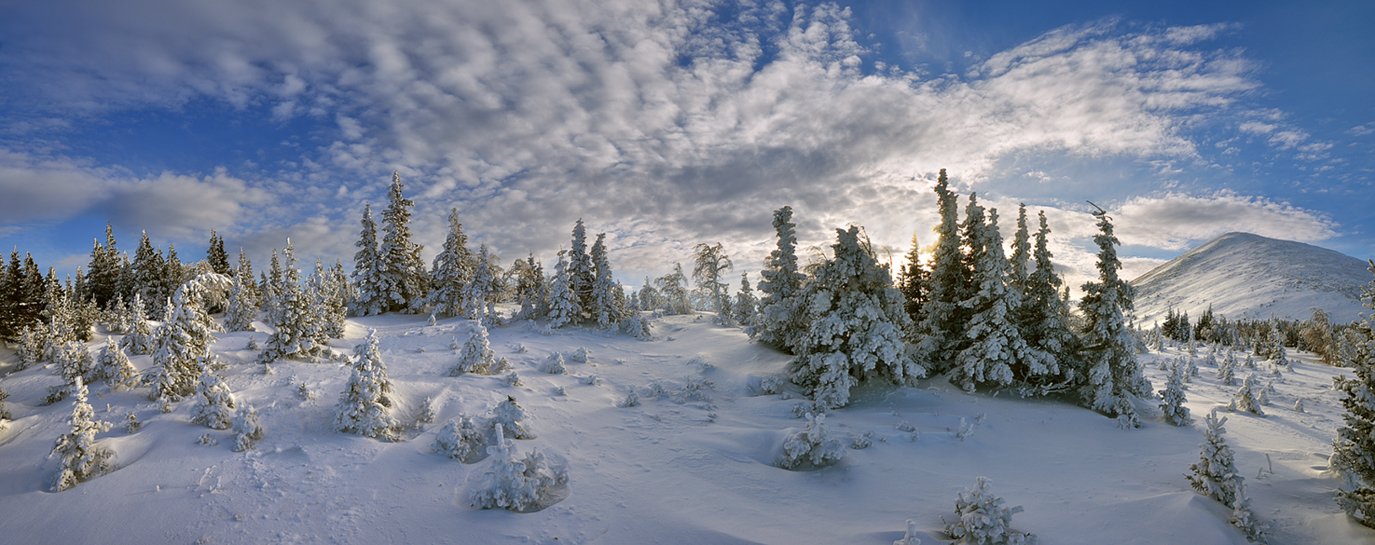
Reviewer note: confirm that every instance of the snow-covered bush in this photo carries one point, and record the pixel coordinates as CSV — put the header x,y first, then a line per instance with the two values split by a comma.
x,y
81,458
246,428
811,446
510,416
364,405
631,399
1227,368
460,439
580,355
476,355
910,536
519,483
113,366
139,338
1247,397
214,402
1216,476
982,519
1172,398
553,364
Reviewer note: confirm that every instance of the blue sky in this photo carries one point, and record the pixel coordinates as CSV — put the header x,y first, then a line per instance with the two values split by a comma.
x,y
666,124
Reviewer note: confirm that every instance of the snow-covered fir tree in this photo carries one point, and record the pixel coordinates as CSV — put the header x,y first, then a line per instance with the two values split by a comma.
x,y
780,281
912,282
243,299
216,257
1247,397
581,274
247,430
515,482
460,439
940,332
532,289
1216,476
113,366
451,271
1043,318
185,336
74,360
564,308
299,323
996,354
981,518
1353,450
1111,376
1172,398
857,324
364,406
511,417
139,339
607,295
710,262
745,309
1227,368
81,458
402,275
811,446
476,356
478,291
367,271
214,402
147,274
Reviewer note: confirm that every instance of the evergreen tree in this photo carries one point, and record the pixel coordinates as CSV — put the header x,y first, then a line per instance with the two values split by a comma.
x,y
1247,397
1172,398
112,365
531,288
673,287
243,301
564,308
1044,317
139,340
982,519
608,298
184,337
856,326
1216,476
479,288
912,282
452,271
297,323
367,271
246,428
12,299
364,405
476,355
1226,370
216,257
104,270
149,270
996,354
1020,262
402,274
780,282
173,271
745,310
1353,451
214,402
649,296
581,275
709,263
1111,375
939,340
82,459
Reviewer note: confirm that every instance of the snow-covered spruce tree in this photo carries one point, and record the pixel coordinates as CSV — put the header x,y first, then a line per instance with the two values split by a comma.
x,y
1247,397
982,519
745,309
1043,318
940,333
780,324
811,446
451,271
856,326
581,276
531,289
674,292
460,439
1019,264
1111,375
364,404
147,273
510,416
1227,368
913,280
367,270
607,308
518,483
476,355
214,402
112,365
247,430
184,337
709,263
139,340
402,273
1172,398
4,412
332,298
243,299
996,355
479,289
299,327
1216,476
74,360
1353,450
215,256
81,457
564,308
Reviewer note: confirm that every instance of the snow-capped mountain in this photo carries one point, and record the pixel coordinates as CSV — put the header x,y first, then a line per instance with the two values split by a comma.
x,y
1242,274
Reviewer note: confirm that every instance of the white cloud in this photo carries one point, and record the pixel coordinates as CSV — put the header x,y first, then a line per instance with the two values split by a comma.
x,y
1174,221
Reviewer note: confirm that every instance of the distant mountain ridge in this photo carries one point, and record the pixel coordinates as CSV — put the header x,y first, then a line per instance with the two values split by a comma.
x,y
1248,275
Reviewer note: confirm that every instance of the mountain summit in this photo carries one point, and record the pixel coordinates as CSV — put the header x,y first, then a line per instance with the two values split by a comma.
x,y
1247,275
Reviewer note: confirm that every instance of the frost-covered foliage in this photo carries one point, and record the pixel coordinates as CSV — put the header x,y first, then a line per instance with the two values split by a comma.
x,y
364,405
112,365
403,281
1172,398
1111,374
1353,450
673,292
1227,368
518,483
553,364
1044,316
247,430
909,537
779,322
1216,476
299,315
243,299
1247,397
479,292
74,359
214,402
511,417
369,298
856,326
564,308
608,298
745,308
476,356
328,294
581,273
996,354
638,325
451,271
710,262
982,519
4,412
460,439
81,457
184,337
943,325
139,338
532,289
811,446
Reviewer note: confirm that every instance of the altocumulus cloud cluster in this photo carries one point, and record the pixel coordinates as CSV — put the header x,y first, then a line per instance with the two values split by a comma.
x,y
662,123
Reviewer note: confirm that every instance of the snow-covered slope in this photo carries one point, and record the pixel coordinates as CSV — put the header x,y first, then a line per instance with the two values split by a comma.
x,y
1246,275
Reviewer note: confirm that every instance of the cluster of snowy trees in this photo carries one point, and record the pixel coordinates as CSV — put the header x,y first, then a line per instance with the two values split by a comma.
x,y
1335,344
